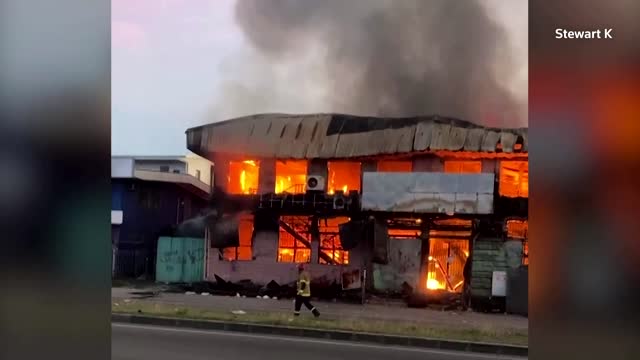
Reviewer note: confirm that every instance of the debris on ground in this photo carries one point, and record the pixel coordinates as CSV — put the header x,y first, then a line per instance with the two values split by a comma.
x,y
144,294
238,312
247,288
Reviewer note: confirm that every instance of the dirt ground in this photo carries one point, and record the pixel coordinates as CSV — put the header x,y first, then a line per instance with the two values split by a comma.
x,y
389,312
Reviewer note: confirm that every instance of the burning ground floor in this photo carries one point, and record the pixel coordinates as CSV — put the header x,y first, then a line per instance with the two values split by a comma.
x,y
429,259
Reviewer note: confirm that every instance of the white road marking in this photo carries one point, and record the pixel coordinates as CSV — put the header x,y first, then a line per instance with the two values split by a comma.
x,y
315,341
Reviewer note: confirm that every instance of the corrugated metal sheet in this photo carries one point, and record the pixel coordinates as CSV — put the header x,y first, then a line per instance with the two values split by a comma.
x,y
334,136
180,260
428,192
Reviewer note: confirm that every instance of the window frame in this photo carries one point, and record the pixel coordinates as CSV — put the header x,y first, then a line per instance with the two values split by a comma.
x,y
250,190
524,237
333,233
298,188
394,164
296,246
523,172
236,249
331,188
460,164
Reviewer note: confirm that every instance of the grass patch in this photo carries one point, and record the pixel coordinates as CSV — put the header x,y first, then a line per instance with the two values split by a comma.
x,y
510,337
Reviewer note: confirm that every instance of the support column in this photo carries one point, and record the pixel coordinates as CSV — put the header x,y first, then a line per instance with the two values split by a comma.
x,y
267,176
428,163
315,240
421,286
221,173
367,166
318,167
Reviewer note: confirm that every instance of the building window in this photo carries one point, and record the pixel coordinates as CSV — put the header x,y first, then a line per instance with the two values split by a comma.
x,y
331,252
519,230
344,176
198,174
294,240
291,177
164,168
462,167
514,179
243,177
244,252
403,234
395,166
148,199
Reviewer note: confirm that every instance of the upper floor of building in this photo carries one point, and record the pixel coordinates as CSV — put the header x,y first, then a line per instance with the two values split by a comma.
x,y
273,153
190,168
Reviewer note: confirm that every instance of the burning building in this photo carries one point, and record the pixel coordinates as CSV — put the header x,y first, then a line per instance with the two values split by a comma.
x,y
433,204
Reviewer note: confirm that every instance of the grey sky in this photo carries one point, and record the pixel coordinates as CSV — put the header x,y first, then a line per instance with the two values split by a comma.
x,y
180,63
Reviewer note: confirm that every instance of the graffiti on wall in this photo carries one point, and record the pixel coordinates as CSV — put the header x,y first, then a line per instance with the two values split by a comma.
x,y
180,259
175,259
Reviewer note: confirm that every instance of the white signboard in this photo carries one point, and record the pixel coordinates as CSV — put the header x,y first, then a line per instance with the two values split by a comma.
x,y
116,217
428,192
499,283
351,280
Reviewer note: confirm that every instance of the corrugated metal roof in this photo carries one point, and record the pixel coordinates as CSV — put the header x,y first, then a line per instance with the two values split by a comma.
x,y
334,136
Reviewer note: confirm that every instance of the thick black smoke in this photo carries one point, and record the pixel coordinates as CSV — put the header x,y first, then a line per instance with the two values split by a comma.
x,y
394,57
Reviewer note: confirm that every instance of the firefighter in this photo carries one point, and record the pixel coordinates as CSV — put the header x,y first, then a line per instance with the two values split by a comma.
x,y
303,295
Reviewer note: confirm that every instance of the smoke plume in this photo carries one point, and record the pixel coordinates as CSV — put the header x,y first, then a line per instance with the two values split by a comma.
x,y
390,57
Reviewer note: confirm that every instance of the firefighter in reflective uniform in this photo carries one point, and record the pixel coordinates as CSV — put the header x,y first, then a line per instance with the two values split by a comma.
x,y
303,295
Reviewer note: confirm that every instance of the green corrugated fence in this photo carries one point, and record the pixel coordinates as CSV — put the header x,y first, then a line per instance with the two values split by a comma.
x,y
180,260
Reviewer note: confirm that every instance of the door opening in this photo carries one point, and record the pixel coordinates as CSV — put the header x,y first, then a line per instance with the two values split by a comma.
x,y
448,253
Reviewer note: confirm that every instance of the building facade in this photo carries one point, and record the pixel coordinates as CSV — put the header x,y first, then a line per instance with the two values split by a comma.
x,y
408,202
150,196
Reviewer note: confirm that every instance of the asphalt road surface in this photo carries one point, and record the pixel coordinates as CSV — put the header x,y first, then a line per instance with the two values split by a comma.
x,y
162,343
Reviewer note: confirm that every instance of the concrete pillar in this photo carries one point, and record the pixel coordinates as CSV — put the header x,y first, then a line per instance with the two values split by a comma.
x,y
315,240
221,173
428,163
267,177
317,167
489,166
424,256
265,247
367,166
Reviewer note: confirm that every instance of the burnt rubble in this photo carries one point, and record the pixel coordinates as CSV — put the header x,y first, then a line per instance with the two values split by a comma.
x,y
330,291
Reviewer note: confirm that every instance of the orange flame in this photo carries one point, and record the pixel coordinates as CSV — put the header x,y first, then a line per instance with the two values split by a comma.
x,y
433,284
243,181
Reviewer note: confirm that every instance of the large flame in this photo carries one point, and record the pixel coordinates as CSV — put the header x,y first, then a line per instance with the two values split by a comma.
x,y
291,176
433,284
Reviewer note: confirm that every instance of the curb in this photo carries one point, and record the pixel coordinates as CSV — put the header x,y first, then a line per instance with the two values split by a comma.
x,y
476,347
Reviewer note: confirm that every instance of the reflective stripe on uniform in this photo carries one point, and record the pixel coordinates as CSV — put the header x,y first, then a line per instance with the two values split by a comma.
x,y
306,291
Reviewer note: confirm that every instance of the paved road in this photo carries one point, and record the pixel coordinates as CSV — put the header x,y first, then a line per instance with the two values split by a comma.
x,y
160,343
